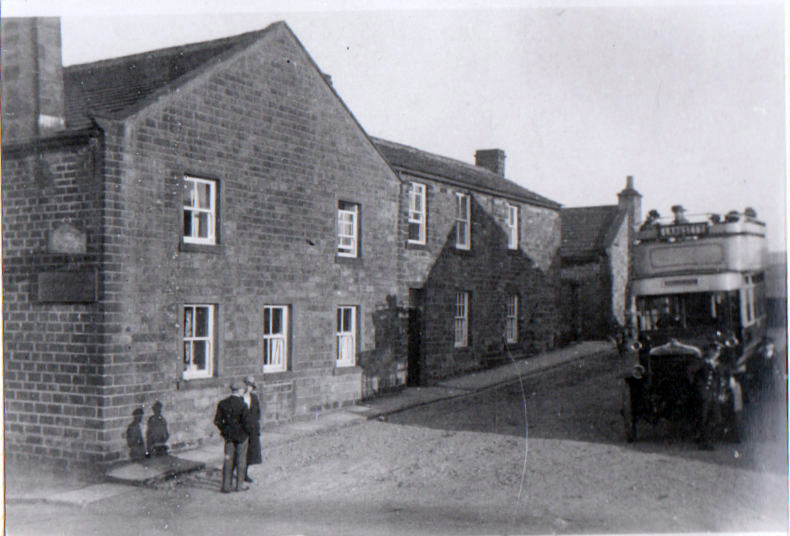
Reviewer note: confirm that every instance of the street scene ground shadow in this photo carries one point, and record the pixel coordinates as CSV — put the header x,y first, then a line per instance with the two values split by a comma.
x,y
581,401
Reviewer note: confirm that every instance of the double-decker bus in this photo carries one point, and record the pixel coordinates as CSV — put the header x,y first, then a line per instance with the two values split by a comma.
x,y
698,298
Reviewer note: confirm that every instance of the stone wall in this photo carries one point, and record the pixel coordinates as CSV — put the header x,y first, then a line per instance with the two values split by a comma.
x,y
489,272
619,267
586,300
52,337
283,151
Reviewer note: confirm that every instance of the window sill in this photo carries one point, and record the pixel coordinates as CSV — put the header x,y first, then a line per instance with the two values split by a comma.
x,y
463,252
277,377
188,247
417,246
351,261
342,371
188,384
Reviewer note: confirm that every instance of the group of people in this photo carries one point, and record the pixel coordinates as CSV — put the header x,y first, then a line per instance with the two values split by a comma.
x,y
238,419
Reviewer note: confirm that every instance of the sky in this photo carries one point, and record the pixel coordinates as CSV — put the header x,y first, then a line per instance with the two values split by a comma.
x,y
688,98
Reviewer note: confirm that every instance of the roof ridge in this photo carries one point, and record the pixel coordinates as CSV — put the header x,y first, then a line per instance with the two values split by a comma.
x,y
185,48
589,207
441,157
492,181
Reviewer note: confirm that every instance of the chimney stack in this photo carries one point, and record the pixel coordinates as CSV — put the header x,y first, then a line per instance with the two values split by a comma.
x,y
631,200
32,82
491,159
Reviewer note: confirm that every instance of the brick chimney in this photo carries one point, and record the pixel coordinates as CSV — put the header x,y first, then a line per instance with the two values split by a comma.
x,y
32,100
630,199
491,159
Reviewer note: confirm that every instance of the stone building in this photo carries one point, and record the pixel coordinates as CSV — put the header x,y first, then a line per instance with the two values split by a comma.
x,y
479,262
177,219
596,265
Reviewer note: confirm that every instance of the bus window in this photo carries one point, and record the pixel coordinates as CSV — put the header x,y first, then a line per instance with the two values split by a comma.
x,y
692,311
759,299
747,301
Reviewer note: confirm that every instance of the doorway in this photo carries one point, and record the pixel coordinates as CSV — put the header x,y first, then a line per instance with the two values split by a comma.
x,y
414,365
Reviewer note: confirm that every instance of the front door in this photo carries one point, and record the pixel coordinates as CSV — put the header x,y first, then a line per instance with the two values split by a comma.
x,y
416,304
576,310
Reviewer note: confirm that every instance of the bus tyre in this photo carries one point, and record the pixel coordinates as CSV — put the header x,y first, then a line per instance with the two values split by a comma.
x,y
627,411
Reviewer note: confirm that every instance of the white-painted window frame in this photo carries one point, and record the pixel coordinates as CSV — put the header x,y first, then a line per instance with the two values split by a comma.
x,y
346,336
512,226
275,342
461,320
463,223
191,339
511,319
194,210
347,229
417,212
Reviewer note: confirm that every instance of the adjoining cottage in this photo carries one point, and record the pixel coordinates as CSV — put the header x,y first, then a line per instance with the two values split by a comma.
x,y
596,265
179,219
479,261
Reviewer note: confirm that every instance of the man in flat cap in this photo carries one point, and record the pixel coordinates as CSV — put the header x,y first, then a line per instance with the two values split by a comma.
x,y
232,419
254,405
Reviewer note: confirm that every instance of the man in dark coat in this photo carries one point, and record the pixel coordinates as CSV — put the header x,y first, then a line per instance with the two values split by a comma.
x,y
232,419
254,447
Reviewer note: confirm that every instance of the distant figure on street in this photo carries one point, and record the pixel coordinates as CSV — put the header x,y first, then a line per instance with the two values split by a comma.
x,y
232,420
156,434
134,436
254,405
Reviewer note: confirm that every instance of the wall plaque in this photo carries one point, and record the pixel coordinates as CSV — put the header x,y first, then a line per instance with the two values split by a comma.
x,y
66,238
67,287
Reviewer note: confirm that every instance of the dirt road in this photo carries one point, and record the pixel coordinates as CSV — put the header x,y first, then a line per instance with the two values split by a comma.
x,y
469,467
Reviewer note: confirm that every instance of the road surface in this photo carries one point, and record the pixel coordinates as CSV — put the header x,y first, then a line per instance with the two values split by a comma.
x,y
471,466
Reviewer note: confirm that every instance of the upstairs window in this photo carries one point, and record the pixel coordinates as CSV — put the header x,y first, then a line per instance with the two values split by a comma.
x,y
200,211
461,327
462,220
511,320
198,341
512,226
275,338
417,213
347,229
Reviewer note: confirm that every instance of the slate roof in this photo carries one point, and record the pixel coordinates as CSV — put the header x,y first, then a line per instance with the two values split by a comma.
x,y
445,169
116,87
588,231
